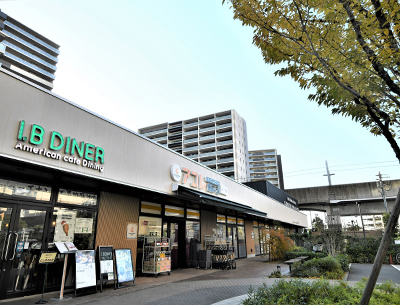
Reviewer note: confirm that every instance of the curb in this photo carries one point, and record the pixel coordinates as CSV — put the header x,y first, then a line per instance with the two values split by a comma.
x,y
232,301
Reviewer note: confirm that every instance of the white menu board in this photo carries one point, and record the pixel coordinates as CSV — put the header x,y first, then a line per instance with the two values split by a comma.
x,y
85,268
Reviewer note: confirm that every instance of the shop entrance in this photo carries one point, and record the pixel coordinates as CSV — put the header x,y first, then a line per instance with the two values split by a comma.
x,y
175,230
232,235
22,230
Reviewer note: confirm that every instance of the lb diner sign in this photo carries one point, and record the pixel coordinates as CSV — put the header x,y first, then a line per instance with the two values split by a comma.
x,y
62,148
189,177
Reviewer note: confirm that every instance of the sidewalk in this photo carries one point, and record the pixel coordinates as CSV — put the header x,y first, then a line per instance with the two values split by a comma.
x,y
184,286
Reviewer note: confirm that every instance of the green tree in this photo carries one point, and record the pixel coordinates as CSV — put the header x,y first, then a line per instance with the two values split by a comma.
x,y
318,224
348,52
385,218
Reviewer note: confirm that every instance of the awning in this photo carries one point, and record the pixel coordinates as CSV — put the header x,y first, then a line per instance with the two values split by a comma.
x,y
203,198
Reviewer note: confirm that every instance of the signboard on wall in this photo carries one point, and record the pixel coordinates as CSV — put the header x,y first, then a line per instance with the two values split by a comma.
x,y
123,261
85,269
131,230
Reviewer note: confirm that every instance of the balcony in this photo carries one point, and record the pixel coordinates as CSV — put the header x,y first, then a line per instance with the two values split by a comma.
x,y
207,145
226,169
154,132
191,124
208,154
189,132
207,129
28,64
225,142
252,171
263,165
31,56
223,117
31,46
261,159
207,138
225,160
190,148
207,121
223,126
264,177
223,134
192,156
36,39
190,140
262,154
225,151
159,139
212,162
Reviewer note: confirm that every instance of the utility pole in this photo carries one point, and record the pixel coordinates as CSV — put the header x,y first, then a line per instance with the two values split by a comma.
x,y
328,174
381,188
362,223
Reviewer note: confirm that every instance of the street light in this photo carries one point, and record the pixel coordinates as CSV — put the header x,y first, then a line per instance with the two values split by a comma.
x,y
354,229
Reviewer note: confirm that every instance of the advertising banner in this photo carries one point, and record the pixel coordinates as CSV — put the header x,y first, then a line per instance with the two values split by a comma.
x,y
85,268
123,260
65,226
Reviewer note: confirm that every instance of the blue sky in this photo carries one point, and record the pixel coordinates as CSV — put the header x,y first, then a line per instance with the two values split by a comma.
x,y
140,63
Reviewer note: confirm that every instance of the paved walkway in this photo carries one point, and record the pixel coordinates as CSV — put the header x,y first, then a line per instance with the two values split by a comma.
x,y
182,287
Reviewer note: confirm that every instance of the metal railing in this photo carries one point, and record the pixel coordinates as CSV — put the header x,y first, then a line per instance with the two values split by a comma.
x,y
226,169
154,132
220,152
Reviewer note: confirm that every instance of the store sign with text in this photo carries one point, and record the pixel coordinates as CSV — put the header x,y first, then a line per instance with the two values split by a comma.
x,y
197,181
59,147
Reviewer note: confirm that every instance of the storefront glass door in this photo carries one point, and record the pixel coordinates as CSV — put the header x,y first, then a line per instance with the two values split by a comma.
x,y
21,238
241,242
232,237
176,232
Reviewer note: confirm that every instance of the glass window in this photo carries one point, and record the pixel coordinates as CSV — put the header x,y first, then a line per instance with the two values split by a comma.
x,y
78,198
149,226
77,226
240,221
174,211
150,208
192,230
231,220
221,218
194,214
221,231
29,190
255,223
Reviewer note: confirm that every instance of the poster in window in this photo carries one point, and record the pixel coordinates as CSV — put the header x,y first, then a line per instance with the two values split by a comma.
x,y
83,225
65,226
123,261
85,268
131,230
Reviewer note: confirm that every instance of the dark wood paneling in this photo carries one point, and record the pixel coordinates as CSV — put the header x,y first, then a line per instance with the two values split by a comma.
x,y
115,212
248,227
208,221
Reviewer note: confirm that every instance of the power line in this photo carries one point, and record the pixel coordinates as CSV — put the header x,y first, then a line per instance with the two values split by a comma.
x,y
303,170
361,168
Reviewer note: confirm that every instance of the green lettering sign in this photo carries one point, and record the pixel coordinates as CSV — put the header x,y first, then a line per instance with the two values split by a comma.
x,y
80,150
55,135
37,133
89,152
99,155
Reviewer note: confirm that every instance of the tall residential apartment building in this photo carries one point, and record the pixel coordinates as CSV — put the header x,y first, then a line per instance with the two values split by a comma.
x,y
27,53
265,164
218,140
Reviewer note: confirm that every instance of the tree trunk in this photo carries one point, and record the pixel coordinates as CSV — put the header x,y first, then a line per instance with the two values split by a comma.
x,y
380,255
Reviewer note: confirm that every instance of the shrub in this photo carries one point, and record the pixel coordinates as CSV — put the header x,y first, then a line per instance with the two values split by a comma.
x,y
344,262
275,274
318,292
327,267
311,255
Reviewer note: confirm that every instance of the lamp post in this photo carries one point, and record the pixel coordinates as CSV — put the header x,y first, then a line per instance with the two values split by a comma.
x,y
354,229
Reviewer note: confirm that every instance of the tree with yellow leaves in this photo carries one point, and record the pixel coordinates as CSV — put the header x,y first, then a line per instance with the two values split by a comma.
x,y
348,52
276,243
